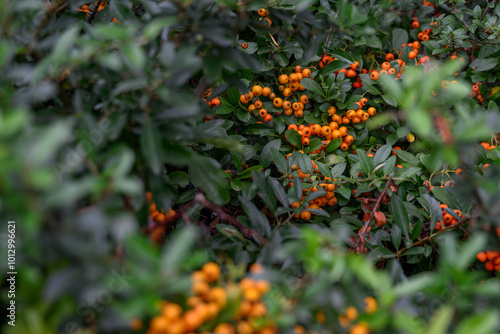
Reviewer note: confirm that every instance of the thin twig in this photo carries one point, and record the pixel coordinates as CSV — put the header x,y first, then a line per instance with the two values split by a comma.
x,y
456,12
431,236
362,231
94,12
244,230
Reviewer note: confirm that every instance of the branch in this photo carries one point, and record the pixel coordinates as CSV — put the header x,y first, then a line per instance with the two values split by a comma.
x,y
456,12
362,231
432,236
94,12
244,230
51,10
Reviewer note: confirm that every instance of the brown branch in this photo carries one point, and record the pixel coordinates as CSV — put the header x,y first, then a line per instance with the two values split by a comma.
x,y
244,230
456,12
94,12
361,242
328,38
431,236
51,10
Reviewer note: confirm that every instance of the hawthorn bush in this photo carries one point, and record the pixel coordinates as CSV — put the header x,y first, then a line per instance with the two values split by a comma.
x,y
222,166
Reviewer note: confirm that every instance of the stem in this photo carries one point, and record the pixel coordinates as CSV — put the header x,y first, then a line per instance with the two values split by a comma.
x,y
245,231
431,236
362,231
94,12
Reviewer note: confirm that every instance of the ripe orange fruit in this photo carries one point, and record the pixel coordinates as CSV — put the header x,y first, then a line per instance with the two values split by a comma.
x,y
262,112
277,102
224,328
415,24
306,215
306,73
266,91
267,118
304,99
257,90
344,146
244,45
348,139
374,75
212,270
350,73
287,92
258,104
392,71
412,54
283,79
389,57
262,12
386,66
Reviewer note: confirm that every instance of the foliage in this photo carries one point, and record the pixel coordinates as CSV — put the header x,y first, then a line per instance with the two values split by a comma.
x,y
133,150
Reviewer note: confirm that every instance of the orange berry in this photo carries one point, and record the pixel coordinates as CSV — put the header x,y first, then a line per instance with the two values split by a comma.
x,y
306,73
212,270
415,24
257,90
283,79
277,102
481,256
306,215
262,12
374,75
386,65
244,45
262,112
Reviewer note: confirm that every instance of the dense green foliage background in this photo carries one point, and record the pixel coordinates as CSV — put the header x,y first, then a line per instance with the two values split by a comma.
x,y
93,114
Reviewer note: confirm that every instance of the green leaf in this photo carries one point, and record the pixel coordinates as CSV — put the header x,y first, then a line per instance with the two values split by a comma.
x,y
266,155
333,145
279,161
152,147
441,320
484,322
305,163
407,157
482,65
175,251
248,172
342,56
297,187
400,215
399,37
258,219
389,165
434,210
366,165
396,236
314,144
333,66
205,174
323,169
382,154
338,170
279,191
312,85
293,138
230,231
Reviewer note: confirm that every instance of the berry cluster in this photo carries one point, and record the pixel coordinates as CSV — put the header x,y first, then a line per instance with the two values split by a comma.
x,y
208,306
492,259
448,218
